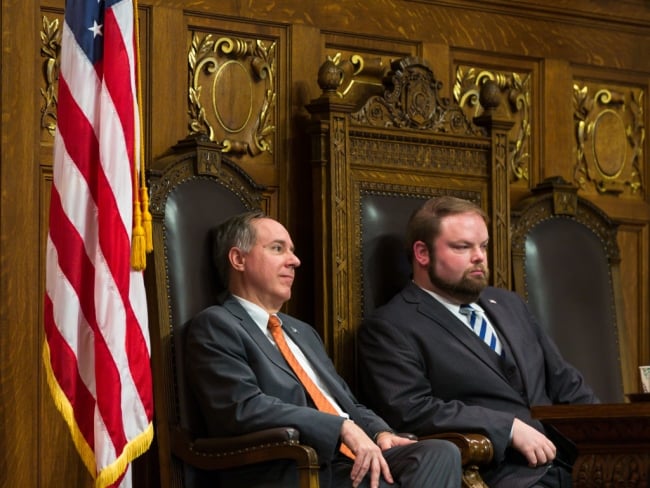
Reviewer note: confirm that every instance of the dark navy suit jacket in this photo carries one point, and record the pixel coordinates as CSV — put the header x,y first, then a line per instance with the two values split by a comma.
x,y
424,371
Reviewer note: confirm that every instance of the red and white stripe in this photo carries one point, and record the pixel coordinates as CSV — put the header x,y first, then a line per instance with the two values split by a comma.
x,y
97,343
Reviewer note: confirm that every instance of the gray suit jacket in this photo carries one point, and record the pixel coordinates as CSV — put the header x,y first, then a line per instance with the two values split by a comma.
x,y
425,371
242,383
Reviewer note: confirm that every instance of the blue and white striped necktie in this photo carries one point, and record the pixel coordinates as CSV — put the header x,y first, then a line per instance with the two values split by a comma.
x,y
482,328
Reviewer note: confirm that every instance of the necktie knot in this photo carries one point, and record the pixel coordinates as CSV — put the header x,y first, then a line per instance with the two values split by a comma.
x,y
274,323
466,309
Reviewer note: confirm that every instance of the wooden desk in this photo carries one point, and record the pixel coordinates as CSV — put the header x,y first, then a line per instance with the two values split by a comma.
x,y
613,442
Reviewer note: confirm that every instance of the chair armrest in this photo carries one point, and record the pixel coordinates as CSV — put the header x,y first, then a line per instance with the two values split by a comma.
x,y
475,449
229,452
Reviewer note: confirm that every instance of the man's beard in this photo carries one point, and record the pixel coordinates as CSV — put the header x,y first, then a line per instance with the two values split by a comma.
x,y
466,290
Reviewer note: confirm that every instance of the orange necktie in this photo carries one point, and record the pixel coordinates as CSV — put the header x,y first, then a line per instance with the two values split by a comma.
x,y
321,402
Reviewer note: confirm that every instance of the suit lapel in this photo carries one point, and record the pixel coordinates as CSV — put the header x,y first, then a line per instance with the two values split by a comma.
x,y
438,313
507,327
257,335
275,356
305,344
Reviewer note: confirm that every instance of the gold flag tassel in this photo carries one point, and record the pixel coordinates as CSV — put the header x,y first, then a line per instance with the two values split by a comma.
x,y
140,244
144,191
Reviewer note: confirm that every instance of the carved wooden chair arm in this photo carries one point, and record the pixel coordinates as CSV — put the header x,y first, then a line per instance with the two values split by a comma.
x,y
475,450
231,452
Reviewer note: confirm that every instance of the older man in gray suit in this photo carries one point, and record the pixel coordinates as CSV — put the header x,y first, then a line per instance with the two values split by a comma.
x,y
243,382
449,353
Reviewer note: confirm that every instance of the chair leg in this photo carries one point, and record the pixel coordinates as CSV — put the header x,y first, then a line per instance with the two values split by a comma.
x,y
308,477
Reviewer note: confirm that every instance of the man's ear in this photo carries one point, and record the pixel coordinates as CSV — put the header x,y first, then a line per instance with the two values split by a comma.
x,y
237,258
421,253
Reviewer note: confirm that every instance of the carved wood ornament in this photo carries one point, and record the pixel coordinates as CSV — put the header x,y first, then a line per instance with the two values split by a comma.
x,y
610,134
243,121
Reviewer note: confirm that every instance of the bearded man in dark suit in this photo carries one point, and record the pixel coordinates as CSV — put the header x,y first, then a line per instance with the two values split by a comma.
x,y
424,369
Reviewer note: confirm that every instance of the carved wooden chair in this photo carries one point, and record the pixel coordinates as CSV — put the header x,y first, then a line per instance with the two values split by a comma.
x,y
382,141
193,189
386,271
565,261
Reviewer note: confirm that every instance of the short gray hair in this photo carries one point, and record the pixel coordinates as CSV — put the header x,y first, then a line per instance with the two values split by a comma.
x,y
236,231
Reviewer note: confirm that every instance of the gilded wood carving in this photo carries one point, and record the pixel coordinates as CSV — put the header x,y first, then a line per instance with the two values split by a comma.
x,y
232,92
516,88
50,48
610,133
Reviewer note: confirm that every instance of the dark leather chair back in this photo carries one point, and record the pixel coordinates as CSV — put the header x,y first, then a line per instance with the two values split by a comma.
x,y
192,190
385,265
193,208
565,262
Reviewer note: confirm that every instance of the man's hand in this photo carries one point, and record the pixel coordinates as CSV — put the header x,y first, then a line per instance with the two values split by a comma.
x,y
386,440
368,456
535,446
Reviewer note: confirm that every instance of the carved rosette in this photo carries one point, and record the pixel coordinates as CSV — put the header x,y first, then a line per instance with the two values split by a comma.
x,y
50,49
232,92
610,133
516,90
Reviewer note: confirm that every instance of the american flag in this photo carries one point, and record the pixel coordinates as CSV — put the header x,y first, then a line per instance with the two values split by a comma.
x,y
97,348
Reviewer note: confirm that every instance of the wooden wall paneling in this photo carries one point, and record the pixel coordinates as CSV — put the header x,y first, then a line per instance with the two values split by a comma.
x,y
602,42
557,131
633,268
241,85
610,166
609,128
20,267
440,56
518,79
369,46
164,72
305,55
25,267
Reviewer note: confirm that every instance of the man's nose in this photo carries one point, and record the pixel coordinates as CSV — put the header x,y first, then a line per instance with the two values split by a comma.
x,y
294,261
479,254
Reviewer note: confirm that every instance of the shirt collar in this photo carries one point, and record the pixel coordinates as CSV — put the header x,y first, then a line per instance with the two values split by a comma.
x,y
257,313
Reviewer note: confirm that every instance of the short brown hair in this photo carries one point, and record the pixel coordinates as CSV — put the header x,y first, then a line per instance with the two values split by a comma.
x,y
424,224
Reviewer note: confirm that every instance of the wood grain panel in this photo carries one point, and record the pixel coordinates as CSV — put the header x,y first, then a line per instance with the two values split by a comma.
x,y
603,41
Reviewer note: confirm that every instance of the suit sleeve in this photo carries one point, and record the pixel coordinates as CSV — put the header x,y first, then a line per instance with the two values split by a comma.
x,y
395,382
368,420
224,369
